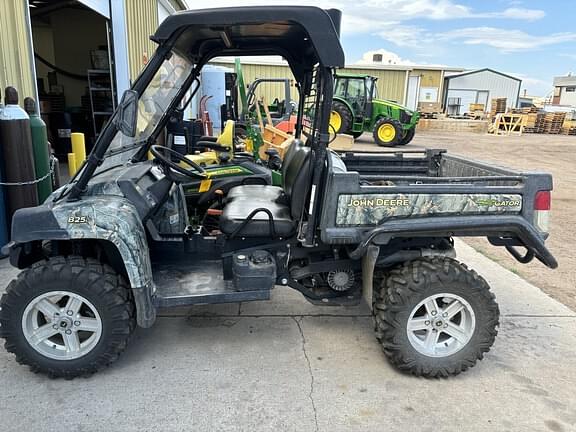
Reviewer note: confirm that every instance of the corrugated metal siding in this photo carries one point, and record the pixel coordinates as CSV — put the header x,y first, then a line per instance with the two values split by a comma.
x,y
391,83
267,91
141,23
428,78
497,85
15,49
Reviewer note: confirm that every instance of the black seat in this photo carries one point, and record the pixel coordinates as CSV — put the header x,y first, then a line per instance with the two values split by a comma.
x,y
270,206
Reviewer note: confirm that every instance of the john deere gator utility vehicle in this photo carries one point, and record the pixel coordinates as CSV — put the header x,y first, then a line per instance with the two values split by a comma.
x,y
356,109
114,245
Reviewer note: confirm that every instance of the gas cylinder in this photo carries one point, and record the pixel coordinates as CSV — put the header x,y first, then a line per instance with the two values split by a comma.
x,y
17,155
40,149
3,224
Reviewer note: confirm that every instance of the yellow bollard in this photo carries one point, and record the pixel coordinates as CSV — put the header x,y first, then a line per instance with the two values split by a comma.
x,y
72,164
78,148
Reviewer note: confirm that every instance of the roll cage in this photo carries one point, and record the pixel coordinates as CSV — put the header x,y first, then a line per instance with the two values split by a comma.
x,y
307,37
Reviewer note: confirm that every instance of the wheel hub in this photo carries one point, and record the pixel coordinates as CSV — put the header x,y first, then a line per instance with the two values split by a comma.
x,y
61,325
64,323
441,325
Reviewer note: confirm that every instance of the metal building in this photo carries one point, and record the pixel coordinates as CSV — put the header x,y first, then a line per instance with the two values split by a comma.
x,y
479,87
565,90
76,57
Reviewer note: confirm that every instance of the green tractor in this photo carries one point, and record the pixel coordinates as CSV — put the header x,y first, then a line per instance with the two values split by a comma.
x,y
356,109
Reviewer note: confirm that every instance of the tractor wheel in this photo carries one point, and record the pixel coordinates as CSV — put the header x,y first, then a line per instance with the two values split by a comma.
x,y
387,132
357,134
67,316
408,135
340,118
434,317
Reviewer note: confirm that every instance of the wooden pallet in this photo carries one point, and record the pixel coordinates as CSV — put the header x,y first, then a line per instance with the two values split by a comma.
x,y
507,124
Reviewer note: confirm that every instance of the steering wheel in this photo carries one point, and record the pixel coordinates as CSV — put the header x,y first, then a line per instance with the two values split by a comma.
x,y
197,171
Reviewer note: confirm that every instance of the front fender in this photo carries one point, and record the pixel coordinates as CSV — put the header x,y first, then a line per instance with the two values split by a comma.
x,y
108,218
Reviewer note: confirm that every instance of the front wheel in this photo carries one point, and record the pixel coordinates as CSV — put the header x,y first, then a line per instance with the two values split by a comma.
x,y
387,132
67,316
434,317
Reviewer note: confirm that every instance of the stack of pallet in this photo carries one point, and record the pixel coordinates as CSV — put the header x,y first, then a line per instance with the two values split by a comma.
x,y
533,122
553,122
497,105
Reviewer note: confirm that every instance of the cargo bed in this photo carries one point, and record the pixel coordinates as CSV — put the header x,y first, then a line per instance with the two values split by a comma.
x,y
376,197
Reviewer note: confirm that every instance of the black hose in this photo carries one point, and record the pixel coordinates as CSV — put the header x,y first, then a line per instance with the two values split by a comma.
x,y
61,71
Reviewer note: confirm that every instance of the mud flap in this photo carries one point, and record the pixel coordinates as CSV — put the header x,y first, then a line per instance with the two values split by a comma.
x,y
368,264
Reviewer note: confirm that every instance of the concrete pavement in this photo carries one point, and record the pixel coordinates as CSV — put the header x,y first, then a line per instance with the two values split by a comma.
x,y
286,365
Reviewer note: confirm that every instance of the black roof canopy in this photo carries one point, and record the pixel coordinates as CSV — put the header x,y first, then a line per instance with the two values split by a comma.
x,y
303,35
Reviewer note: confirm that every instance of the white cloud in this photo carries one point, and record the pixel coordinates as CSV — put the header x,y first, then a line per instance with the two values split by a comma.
x,y
505,40
404,35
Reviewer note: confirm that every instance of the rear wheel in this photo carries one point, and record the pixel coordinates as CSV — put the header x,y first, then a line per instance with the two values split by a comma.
x,y
67,317
387,132
434,317
408,135
340,118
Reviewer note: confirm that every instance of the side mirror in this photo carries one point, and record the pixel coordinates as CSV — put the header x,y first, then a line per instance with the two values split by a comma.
x,y
126,118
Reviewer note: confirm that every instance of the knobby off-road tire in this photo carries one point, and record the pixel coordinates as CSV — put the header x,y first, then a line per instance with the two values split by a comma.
x,y
88,304
404,296
345,117
408,136
387,132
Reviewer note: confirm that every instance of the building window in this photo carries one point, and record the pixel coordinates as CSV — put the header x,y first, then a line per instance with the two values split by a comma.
x,y
570,89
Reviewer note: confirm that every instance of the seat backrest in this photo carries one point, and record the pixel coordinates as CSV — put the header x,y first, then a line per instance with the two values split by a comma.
x,y
289,154
296,179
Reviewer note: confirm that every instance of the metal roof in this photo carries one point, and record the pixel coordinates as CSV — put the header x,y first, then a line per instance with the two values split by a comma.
x,y
479,71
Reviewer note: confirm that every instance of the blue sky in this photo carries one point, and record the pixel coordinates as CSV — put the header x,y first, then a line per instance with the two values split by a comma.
x,y
533,40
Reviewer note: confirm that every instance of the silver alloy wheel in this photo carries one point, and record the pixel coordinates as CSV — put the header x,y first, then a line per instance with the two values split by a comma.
x,y
61,325
441,325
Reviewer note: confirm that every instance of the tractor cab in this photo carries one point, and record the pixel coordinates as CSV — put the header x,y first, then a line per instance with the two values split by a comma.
x,y
358,90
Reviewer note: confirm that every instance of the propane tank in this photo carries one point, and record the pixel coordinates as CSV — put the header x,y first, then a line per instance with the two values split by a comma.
x,y
17,155
3,224
40,148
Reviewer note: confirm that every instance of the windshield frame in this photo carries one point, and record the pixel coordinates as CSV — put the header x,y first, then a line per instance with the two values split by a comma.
x,y
98,153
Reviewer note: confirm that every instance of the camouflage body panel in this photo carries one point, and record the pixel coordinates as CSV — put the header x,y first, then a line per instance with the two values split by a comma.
x,y
375,209
113,219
